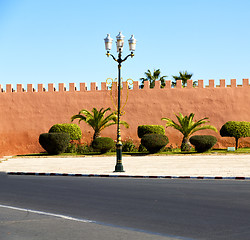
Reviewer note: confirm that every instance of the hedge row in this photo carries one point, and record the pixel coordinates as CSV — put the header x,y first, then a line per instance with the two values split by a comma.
x,y
152,137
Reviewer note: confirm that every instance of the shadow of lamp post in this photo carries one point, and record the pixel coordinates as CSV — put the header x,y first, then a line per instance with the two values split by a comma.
x,y
119,44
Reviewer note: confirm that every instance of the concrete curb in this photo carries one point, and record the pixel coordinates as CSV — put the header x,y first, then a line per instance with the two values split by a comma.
x,y
127,176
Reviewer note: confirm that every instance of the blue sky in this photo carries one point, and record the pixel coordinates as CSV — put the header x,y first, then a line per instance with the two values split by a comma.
x,y
54,41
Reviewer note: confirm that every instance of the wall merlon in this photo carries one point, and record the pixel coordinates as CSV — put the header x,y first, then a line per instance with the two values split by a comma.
x,y
245,82
9,88
40,87
83,87
168,84
104,86
222,83
30,88
19,88
146,85
178,84
72,87
233,83
200,83
93,86
61,87
135,85
124,85
211,83
190,83
51,87
157,84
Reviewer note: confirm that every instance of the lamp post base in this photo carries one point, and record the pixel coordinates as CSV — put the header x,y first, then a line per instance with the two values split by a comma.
x,y
119,166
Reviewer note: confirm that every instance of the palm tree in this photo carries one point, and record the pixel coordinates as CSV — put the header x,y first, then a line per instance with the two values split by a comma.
x,y
97,119
187,127
153,77
183,76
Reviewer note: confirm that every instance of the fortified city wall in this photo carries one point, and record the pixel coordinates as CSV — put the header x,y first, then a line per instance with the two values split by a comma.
x,y
25,114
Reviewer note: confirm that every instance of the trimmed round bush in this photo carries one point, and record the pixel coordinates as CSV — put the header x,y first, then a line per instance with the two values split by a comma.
x,y
72,129
203,143
54,143
150,129
103,144
154,142
235,129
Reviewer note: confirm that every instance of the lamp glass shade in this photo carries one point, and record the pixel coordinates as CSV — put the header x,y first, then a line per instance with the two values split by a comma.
x,y
108,42
132,43
119,42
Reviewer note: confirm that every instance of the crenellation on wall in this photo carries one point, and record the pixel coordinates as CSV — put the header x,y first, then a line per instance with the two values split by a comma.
x,y
245,82
9,88
104,87
61,87
135,85
178,84
124,85
233,83
222,83
83,87
20,88
93,86
200,83
157,84
51,87
72,87
146,85
168,84
190,83
211,83
40,87
30,88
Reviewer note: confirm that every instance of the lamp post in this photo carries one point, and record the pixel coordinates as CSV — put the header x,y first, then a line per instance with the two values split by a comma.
x,y
119,44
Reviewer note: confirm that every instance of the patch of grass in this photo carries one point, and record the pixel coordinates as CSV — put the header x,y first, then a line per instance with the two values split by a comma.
x,y
176,151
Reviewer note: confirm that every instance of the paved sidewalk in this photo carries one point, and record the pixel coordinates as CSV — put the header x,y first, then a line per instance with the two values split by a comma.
x,y
230,165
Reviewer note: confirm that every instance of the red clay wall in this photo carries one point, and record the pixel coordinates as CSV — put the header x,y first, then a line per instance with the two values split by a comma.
x,y
27,114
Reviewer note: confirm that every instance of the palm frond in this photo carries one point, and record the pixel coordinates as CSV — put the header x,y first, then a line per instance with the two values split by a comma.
x,y
78,116
204,128
186,125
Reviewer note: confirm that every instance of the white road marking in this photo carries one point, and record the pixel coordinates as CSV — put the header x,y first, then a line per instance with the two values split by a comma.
x,y
96,222
48,214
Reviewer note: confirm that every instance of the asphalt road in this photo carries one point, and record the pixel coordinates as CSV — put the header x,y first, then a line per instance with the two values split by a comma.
x,y
191,209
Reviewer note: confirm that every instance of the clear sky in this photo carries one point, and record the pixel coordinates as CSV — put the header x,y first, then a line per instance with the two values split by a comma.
x,y
54,41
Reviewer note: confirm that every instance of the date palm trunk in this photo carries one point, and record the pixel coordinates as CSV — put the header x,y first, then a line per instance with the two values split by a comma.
x,y
96,135
185,145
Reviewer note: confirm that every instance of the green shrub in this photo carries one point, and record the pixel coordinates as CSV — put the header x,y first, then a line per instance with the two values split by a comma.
x,y
72,129
128,146
150,129
154,142
79,148
236,130
54,143
103,144
84,148
142,149
71,148
203,143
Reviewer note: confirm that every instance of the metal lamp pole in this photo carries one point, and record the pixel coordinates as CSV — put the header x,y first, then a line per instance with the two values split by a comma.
x,y
119,44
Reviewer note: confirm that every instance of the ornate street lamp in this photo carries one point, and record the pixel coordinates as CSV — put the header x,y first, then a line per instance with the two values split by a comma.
x,y
119,44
